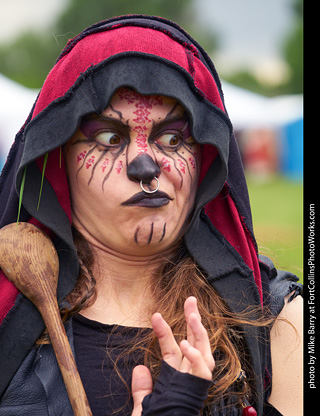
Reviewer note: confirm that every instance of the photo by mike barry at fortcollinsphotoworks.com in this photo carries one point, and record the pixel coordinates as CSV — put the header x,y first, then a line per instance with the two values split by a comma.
x,y
311,309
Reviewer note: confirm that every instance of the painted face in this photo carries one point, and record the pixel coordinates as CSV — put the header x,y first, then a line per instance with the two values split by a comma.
x,y
135,140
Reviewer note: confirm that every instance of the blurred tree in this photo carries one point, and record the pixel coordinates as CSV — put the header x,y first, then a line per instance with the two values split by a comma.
x,y
293,52
30,57
82,13
248,81
293,56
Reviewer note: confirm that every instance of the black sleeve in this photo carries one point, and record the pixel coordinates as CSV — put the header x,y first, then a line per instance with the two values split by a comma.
x,y
281,284
269,410
176,393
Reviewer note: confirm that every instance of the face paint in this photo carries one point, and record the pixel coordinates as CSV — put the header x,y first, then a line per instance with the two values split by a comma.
x,y
139,238
182,166
119,167
101,135
141,140
143,105
143,168
165,164
90,162
154,133
192,163
81,156
105,164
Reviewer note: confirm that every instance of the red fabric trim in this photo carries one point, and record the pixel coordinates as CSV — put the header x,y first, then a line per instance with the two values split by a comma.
x,y
56,176
225,217
8,291
97,47
8,295
208,155
58,180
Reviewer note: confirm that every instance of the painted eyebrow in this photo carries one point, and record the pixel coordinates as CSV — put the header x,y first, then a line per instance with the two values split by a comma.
x,y
174,123
93,122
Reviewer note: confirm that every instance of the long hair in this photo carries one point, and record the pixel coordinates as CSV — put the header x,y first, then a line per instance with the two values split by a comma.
x,y
176,279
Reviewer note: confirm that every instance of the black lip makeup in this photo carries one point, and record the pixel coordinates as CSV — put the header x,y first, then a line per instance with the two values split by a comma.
x,y
141,199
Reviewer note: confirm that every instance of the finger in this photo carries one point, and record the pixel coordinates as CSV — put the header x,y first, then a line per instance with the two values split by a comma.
x,y
141,386
190,306
201,339
197,334
195,361
170,350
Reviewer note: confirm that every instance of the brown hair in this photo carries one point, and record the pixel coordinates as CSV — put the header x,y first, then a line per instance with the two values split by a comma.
x,y
178,278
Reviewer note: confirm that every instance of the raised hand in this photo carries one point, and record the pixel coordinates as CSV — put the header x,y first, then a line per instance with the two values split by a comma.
x,y
192,356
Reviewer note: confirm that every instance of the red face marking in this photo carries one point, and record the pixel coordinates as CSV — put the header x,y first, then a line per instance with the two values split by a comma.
x,y
192,163
143,104
119,167
181,165
165,164
105,164
141,139
90,161
81,156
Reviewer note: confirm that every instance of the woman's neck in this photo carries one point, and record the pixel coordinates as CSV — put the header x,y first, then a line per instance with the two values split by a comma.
x,y
124,294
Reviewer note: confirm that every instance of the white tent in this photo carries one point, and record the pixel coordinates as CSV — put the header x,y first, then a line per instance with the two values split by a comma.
x,y
249,110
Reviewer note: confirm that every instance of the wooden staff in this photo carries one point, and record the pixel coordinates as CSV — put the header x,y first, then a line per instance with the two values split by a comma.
x,y
29,260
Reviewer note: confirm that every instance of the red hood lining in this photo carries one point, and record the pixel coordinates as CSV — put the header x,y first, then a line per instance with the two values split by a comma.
x,y
224,215
109,43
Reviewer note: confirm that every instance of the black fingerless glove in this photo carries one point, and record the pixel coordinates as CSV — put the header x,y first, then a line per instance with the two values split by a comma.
x,y
176,394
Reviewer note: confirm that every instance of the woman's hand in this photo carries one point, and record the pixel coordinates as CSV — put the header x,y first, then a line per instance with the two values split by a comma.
x,y
141,387
192,356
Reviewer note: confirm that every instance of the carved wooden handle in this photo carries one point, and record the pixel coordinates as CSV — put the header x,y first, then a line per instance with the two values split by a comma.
x,y
29,260
65,358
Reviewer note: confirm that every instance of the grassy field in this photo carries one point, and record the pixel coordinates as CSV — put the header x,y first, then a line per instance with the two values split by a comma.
x,y
277,210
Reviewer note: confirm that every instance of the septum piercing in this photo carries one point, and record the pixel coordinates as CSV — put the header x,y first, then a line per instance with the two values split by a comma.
x,y
154,190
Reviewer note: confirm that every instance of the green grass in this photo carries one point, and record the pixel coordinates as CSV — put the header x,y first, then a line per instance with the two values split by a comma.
x,y
277,210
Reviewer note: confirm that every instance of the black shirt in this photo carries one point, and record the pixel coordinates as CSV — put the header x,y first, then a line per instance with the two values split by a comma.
x,y
105,361
105,364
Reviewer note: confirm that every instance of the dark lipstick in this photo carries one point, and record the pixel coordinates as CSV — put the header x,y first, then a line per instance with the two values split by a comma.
x,y
141,199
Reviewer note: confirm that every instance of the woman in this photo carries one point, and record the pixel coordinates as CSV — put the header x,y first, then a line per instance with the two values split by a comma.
x,y
129,163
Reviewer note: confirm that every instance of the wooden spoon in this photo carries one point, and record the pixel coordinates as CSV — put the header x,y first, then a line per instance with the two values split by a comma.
x,y
29,260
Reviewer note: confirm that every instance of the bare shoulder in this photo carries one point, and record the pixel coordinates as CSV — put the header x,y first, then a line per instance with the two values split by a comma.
x,y
293,312
286,355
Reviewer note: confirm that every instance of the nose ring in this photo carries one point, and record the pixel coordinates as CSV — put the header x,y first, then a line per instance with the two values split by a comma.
x,y
154,190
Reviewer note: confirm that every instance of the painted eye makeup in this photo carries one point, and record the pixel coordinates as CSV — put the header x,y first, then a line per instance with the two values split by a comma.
x,y
108,138
172,139
108,133
169,140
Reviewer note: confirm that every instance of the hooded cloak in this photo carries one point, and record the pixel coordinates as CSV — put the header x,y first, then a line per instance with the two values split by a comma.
x,y
152,56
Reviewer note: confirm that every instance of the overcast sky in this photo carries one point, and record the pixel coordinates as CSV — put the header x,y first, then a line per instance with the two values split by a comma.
x,y
250,31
